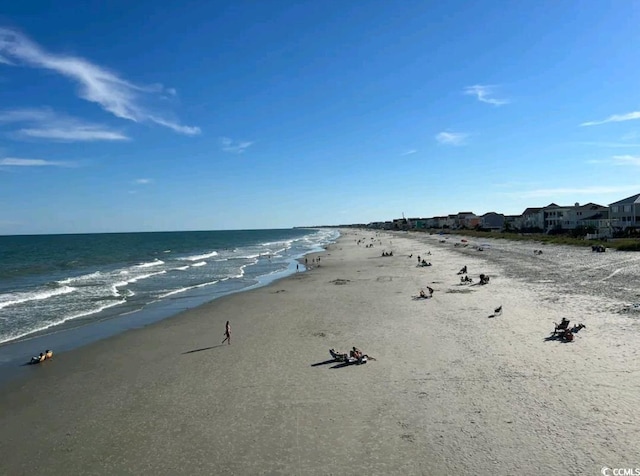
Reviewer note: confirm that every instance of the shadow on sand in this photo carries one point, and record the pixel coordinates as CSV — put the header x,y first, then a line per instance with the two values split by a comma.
x,y
338,365
204,348
317,364
557,338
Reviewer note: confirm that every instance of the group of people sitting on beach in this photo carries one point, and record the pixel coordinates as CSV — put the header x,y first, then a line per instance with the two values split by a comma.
x,y
466,280
355,356
563,332
390,253
424,263
537,252
46,355
484,279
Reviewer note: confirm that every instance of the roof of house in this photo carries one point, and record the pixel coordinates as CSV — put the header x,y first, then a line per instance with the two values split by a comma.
x,y
531,210
631,199
596,216
591,206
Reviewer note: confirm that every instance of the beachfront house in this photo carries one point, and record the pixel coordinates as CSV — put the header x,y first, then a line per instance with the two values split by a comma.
x,y
511,222
575,217
556,217
438,222
492,221
625,213
598,224
466,220
531,219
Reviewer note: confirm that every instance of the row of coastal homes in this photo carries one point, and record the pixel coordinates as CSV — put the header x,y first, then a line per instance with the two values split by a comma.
x,y
598,221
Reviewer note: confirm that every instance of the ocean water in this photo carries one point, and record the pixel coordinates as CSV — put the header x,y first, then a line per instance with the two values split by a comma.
x,y
50,283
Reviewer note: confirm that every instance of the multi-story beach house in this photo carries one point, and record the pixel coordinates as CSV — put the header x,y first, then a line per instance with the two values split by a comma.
x,y
492,221
466,220
556,217
625,213
585,216
531,218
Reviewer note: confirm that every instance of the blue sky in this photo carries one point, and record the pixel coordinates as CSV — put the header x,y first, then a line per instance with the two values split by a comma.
x,y
202,115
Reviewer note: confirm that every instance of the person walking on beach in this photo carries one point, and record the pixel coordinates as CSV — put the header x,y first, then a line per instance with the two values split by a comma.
x,y
227,334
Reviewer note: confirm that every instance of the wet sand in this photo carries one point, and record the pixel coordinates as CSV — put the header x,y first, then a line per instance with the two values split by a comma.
x,y
452,391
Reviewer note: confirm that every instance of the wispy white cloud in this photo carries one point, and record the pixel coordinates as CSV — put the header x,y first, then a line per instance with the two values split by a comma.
x,y
615,118
97,84
15,162
45,124
234,147
627,160
484,93
589,191
451,138
618,160
77,134
409,152
144,181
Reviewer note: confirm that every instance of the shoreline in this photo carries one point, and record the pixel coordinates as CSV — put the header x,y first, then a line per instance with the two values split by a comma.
x,y
450,391
15,353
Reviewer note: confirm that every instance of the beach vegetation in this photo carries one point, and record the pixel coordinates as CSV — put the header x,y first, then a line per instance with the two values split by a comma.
x,y
566,237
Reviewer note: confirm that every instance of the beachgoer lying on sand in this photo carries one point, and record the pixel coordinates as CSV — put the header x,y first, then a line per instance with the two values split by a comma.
x,y
38,358
576,328
357,354
423,294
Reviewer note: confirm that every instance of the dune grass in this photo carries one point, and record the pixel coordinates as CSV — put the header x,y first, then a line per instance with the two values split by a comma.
x,y
620,244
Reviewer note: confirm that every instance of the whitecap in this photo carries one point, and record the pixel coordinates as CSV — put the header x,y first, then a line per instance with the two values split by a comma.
x,y
12,299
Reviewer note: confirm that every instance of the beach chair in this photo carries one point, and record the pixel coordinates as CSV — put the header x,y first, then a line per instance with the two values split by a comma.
x,y
560,328
338,356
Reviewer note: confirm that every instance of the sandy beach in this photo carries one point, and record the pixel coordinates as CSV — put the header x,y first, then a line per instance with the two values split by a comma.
x,y
452,390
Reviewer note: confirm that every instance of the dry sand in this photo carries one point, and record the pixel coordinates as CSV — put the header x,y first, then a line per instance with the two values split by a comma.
x,y
451,392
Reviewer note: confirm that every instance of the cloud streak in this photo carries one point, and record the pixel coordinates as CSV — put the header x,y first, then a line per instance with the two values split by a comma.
x,y
143,181
615,118
45,124
626,160
451,138
15,162
234,147
409,152
484,93
96,84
